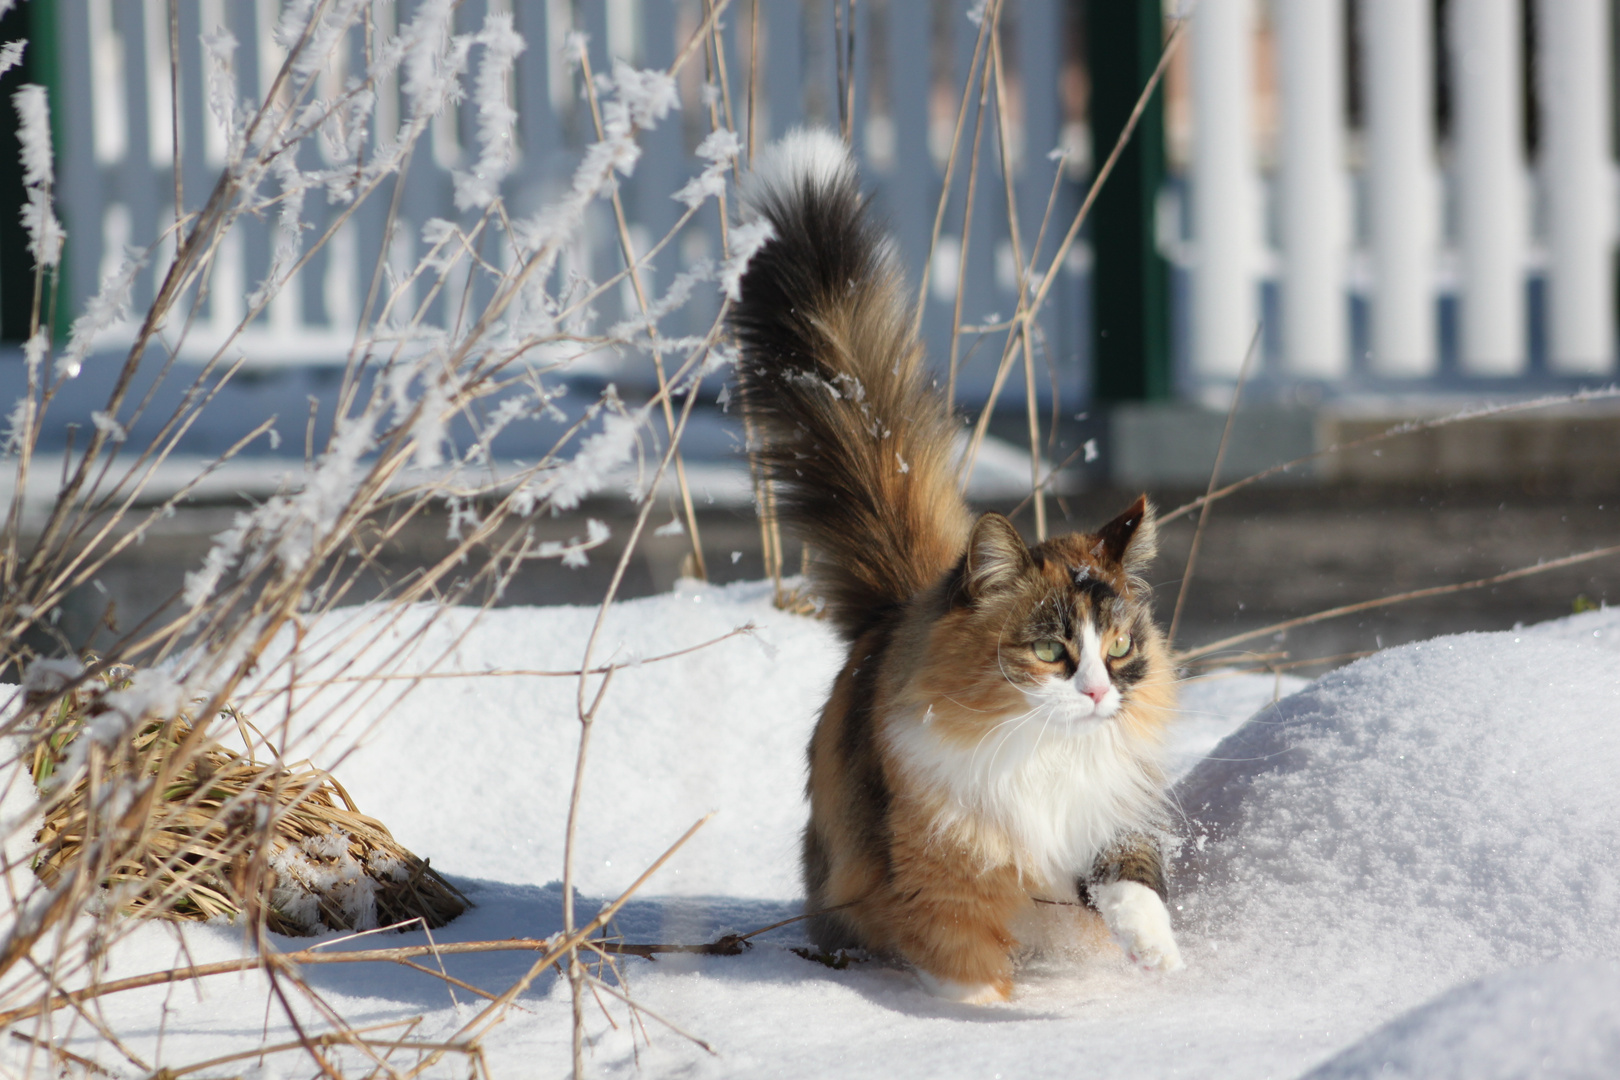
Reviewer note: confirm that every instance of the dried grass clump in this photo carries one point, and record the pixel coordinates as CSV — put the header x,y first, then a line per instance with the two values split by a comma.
x,y
223,834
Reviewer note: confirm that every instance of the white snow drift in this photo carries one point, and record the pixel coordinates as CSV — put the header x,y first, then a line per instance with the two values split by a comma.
x,y
1407,868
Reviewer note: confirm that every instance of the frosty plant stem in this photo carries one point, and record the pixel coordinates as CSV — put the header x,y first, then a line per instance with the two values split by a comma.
x,y
1032,417
945,190
693,368
633,268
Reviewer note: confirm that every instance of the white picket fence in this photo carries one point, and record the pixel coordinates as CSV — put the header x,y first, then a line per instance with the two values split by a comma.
x,y
1470,218
1384,217
118,187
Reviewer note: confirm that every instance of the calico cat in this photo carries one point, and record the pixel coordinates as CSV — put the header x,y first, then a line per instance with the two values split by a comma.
x,y
992,739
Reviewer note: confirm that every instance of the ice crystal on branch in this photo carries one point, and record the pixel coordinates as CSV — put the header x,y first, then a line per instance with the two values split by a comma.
x,y
496,118
644,96
434,60
109,305
323,37
45,233
219,49
719,148
11,54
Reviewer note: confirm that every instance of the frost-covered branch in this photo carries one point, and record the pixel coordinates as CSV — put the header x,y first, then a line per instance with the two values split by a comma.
x,y
45,233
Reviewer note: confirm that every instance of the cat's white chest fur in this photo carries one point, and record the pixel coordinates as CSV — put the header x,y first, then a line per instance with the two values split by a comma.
x,y
1060,792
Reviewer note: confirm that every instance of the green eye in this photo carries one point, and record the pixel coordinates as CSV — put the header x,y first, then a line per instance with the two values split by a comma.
x,y
1048,649
1120,647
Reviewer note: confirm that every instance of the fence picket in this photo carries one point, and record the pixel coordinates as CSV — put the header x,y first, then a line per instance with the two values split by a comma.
x,y
1577,177
1492,198
1403,193
1312,187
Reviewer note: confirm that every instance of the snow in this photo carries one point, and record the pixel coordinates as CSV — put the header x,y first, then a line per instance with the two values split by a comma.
x,y
1555,1020
1405,868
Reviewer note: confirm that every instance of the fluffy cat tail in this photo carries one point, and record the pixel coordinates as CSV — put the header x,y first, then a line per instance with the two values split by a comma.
x,y
858,441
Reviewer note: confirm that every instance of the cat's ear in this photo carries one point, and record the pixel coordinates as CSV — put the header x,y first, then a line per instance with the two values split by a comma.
x,y
996,556
1132,539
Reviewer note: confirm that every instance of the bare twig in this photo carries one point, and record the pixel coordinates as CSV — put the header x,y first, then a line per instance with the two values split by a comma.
x,y
1398,598
748,628
66,1056
991,17
1409,427
950,173
1214,475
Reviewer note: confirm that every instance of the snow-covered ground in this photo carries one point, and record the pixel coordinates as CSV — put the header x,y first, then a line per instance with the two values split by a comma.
x,y
1410,867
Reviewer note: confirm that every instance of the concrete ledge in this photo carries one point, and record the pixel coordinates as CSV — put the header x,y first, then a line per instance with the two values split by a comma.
x,y
1571,446
1576,446
1174,445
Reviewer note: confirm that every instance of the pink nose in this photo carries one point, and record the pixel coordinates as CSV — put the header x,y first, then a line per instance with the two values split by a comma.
x,y
1096,693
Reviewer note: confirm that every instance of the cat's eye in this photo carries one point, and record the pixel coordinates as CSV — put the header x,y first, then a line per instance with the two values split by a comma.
x,y
1120,647
1048,650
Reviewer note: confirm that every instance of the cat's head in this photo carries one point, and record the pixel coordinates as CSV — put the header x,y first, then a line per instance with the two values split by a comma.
x,y
1063,629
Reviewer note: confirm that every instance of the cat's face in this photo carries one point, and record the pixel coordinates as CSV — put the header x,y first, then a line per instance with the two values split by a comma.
x,y
1082,645
1060,635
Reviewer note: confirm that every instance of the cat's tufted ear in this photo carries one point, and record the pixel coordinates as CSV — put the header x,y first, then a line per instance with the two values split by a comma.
x,y
996,556
1132,539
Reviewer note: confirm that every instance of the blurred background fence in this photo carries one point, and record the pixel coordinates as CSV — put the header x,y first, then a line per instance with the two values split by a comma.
x,y
1410,195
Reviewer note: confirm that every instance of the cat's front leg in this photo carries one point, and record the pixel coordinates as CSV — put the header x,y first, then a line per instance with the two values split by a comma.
x,y
949,918
1127,888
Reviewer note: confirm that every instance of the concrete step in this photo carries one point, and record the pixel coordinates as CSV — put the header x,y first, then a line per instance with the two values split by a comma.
x,y
1571,446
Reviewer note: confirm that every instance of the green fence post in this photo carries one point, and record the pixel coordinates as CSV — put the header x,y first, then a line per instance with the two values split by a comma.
x,y
1130,281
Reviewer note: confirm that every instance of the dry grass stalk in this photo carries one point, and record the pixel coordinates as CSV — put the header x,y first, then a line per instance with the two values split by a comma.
x,y
1214,477
229,835
1397,598
1397,431
553,949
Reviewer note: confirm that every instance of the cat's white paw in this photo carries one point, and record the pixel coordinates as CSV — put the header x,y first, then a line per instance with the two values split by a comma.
x,y
966,993
1140,923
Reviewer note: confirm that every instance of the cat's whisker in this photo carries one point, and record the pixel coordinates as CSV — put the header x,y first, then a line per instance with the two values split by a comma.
x,y
996,751
995,728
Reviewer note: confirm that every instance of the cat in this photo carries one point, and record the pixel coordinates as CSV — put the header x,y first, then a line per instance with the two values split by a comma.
x,y
992,738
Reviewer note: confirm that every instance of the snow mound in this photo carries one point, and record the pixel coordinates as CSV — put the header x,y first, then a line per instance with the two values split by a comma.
x,y
1420,818
721,729
1556,1022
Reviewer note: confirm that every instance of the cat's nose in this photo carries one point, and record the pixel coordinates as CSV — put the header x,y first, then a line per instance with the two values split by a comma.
x,y
1095,693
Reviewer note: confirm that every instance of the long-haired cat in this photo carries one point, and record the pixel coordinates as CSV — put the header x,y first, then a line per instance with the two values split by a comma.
x,y
992,739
